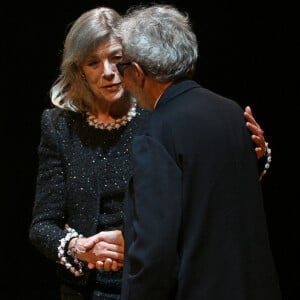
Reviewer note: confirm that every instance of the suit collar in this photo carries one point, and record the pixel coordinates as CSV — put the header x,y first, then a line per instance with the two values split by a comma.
x,y
178,87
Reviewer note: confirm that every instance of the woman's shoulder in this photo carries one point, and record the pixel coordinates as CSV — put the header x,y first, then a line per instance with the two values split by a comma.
x,y
57,112
58,119
58,115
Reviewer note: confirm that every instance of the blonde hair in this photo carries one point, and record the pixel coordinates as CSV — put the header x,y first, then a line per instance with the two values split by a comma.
x,y
96,26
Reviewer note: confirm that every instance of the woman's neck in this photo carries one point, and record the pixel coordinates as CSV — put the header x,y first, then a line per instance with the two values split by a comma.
x,y
110,111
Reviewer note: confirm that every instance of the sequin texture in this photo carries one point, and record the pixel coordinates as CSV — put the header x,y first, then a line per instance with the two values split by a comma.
x,y
82,176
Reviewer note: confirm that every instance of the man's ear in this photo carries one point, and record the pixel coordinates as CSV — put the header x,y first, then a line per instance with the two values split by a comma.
x,y
138,73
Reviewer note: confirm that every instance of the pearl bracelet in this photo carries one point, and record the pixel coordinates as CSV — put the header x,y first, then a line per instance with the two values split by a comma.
x,y
76,265
268,157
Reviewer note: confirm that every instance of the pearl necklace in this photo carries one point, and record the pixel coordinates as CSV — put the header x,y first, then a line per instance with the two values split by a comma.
x,y
116,124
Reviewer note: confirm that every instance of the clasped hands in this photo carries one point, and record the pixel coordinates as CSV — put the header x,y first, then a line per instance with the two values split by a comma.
x,y
104,250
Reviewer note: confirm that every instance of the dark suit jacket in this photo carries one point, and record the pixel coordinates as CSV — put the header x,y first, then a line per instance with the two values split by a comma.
x,y
196,226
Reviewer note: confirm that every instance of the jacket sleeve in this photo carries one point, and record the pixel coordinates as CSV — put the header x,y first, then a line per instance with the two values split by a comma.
x,y
153,223
47,224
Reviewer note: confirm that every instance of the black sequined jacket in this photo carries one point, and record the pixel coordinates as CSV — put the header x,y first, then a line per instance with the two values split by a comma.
x,y
79,165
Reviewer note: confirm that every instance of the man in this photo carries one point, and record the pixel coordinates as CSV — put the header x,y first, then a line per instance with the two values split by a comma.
x,y
195,223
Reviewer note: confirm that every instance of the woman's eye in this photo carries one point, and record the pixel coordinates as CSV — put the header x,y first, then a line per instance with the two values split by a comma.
x,y
91,63
117,58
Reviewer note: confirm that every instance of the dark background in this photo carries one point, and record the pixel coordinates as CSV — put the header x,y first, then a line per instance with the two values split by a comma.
x,y
248,52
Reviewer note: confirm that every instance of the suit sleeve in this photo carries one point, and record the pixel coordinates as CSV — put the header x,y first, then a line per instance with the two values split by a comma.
x,y
153,222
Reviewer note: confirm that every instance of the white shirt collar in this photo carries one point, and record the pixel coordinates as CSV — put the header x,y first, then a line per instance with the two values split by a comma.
x,y
157,101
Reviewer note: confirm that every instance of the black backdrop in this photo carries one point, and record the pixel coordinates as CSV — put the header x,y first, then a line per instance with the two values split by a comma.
x,y
247,52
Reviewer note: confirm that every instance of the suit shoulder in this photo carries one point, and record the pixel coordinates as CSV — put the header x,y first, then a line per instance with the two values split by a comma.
x,y
221,100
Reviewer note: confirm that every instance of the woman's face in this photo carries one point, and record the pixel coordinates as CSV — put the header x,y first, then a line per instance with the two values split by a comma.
x,y
101,73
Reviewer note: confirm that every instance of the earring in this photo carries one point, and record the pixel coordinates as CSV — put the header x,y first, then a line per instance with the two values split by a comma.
x,y
82,75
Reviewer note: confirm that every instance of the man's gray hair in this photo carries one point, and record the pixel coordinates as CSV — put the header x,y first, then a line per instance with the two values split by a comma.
x,y
161,40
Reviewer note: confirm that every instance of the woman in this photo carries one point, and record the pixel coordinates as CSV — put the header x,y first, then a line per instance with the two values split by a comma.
x,y
85,161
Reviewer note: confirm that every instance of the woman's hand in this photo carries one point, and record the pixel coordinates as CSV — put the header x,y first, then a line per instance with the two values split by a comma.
x,y
257,133
104,250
